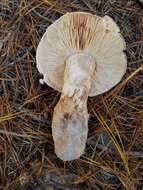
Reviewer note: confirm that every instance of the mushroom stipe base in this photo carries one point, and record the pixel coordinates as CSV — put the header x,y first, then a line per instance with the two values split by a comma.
x,y
70,119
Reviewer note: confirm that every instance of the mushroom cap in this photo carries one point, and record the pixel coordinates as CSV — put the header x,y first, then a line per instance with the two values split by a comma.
x,y
83,32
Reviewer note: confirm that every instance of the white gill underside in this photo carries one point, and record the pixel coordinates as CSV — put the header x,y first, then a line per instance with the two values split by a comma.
x,y
87,33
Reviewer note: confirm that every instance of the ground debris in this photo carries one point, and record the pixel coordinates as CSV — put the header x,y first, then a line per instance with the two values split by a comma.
x,y
113,157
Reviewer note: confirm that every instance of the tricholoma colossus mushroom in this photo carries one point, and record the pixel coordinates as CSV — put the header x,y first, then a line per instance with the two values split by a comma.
x,y
79,55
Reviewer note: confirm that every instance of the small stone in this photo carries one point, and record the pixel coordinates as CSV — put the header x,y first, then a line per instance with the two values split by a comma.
x,y
41,81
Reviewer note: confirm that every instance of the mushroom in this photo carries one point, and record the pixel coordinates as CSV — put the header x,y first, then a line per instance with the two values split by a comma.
x,y
79,55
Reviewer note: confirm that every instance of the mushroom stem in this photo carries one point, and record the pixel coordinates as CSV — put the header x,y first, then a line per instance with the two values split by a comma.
x,y
70,119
